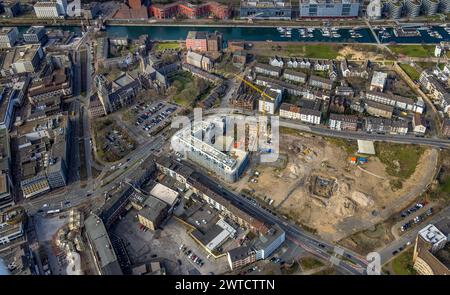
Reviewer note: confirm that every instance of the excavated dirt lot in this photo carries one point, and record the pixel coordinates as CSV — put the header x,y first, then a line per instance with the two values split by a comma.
x,y
358,193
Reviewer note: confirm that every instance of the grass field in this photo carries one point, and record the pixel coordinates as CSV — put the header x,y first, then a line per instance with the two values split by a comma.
x,y
402,264
264,51
400,160
313,51
161,46
446,186
413,50
310,263
187,89
411,71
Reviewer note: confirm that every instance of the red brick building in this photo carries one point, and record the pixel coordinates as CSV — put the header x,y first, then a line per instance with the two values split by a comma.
x,y
190,10
134,9
204,41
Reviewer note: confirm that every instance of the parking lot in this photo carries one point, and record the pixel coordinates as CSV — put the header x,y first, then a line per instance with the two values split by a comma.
x,y
415,215
151,118
164,245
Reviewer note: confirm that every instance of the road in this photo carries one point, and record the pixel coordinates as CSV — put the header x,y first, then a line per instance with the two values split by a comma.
x,y
322,130
298,236
76,195
387,252
353,135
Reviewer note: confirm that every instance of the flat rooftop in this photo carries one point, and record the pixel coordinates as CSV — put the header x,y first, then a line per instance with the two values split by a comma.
x,y
432,234
165,194
98,236
189,138
366,147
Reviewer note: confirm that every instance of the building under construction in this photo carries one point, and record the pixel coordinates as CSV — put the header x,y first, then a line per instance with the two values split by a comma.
x,y
245,98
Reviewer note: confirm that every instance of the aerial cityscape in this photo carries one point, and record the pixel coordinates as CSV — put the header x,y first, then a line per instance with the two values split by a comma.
x,y
226,137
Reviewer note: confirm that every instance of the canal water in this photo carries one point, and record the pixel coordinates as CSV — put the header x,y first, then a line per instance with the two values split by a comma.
x,y
272,34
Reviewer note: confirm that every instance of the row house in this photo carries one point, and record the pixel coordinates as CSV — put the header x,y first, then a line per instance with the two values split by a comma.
x,y
290,111
343,122
267,70
295,90
399,127
294,76
344,91
320,82
322,66
310,116
419,125
379,110
357,105
295,112
333,73
339,104
295,63
359,72
276,62
399,102
378,125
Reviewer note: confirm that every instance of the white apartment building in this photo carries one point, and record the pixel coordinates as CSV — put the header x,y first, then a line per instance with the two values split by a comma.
x,y
206,145
271,100
51,8
434,236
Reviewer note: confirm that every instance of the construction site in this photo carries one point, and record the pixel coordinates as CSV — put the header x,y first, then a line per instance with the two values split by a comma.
x,y
245,98
317,183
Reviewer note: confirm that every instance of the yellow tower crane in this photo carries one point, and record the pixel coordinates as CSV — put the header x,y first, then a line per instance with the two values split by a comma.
x,y
264,95
262,92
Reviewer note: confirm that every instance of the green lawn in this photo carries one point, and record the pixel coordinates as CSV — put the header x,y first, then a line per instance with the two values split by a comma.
x,y
323,74
187,89
402,264
446,186
313,51
400,160
310,263
411,71
413,50
160,46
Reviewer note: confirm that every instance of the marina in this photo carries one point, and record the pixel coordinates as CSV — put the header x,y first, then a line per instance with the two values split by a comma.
x,y
398,35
